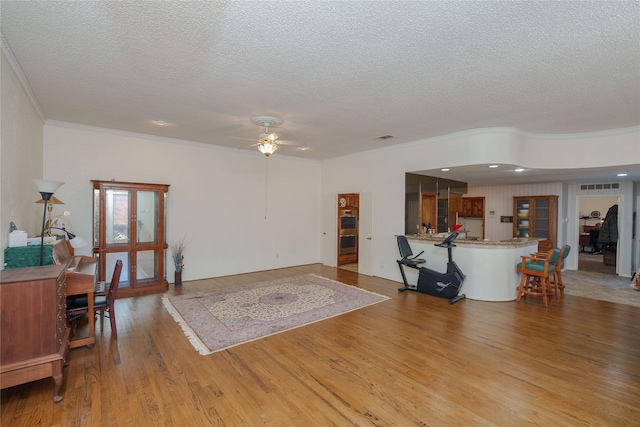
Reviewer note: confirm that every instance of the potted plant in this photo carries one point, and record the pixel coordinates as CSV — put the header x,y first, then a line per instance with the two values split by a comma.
x,y
177,253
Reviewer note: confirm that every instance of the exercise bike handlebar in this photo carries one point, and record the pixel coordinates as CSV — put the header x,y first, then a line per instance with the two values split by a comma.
x,y
448,242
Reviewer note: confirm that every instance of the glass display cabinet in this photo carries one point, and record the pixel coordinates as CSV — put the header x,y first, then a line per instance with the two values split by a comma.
x,y
129,224
537,216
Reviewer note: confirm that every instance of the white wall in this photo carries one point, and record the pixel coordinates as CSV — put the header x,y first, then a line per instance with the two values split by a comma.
x,y
216,199
382,173
20,157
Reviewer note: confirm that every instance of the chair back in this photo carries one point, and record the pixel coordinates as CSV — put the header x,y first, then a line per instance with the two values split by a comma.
x,y
564,252
403,246
555,257
115,281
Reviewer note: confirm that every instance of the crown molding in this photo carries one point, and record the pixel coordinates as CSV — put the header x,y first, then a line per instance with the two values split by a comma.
x,y
15,66
147,136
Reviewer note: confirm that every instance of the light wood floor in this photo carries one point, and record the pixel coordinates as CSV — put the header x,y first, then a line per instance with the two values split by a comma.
x,y
413,360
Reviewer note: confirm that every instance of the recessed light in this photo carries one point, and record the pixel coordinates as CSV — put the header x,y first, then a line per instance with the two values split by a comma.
x,y
519,170
622,174
493,166
445,169
160,122
303,148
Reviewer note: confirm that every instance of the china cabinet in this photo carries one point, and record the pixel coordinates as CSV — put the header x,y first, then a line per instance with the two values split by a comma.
x,y
129,224
537,216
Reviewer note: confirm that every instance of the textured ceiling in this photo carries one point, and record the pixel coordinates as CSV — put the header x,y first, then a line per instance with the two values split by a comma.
x,y
339,74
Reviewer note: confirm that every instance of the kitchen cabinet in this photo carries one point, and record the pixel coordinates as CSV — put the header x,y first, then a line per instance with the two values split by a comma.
x,y
537,216
348,228
129,224
472,207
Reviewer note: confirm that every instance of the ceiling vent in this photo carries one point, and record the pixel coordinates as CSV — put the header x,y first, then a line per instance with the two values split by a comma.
x,y
586,187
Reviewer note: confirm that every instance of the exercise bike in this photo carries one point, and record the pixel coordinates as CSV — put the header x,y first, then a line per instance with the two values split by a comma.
x,y
431,282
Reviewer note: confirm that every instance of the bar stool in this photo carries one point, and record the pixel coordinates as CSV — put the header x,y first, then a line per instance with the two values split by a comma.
x,y
537,270
557,273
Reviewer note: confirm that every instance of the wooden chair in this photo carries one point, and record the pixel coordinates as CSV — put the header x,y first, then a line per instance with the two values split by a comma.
x,y
557,273
104,304
537,270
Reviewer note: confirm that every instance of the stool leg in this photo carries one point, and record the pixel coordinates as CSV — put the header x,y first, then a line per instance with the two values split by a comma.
x,y
546,289
560,284
525,278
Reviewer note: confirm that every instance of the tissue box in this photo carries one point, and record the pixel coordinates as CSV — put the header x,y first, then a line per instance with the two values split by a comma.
x,y
17,238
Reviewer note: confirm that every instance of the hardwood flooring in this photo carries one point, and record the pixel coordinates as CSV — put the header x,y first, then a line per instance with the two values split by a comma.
x,y
413,360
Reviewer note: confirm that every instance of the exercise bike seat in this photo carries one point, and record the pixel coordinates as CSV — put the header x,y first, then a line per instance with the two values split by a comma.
x,y
407,254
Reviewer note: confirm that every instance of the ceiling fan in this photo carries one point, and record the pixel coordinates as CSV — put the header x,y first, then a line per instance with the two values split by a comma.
x,y
268,141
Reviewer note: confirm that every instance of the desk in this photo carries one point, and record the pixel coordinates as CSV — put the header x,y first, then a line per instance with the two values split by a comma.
x,y
81,280
585,243
81,274
34,336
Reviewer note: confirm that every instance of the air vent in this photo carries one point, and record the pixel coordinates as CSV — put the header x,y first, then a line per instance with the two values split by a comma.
x,y
385,137
609,186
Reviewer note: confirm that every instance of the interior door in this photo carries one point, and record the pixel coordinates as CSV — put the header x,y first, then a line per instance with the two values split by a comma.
x,y
329,226
365,239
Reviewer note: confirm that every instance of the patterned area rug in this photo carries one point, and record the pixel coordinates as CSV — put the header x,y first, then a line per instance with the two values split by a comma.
x,y
222,318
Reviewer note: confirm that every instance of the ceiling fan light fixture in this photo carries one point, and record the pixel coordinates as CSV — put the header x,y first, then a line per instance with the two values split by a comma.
x,y
267,147
268,141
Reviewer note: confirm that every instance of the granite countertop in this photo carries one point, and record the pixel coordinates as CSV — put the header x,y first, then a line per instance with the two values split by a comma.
x,y
516,242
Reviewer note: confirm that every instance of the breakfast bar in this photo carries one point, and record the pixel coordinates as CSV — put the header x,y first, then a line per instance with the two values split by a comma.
x,y
489,266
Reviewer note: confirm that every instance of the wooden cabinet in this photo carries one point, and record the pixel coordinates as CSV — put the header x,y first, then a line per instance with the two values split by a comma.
x,y
472,207
34,335
129,224
537,216
348,205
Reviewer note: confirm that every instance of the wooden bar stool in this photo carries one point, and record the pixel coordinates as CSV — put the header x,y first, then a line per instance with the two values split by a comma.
x,y
537,270
557,272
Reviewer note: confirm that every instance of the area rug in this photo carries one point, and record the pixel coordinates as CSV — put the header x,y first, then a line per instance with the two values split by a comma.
x,y
222,318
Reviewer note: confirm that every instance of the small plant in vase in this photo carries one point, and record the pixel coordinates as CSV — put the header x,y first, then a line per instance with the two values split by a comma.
x,y
177,253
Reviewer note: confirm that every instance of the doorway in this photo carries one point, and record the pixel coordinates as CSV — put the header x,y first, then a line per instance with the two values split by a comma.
x,y
593,257
348,230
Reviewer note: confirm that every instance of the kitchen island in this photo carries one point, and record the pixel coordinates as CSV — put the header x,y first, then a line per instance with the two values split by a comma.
x,y
489,266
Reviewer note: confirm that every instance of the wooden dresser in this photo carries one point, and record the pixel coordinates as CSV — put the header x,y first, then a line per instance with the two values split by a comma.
x,y
34,334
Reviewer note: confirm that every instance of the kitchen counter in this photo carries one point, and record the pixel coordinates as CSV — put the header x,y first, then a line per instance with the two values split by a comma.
x,y
489,266
438,238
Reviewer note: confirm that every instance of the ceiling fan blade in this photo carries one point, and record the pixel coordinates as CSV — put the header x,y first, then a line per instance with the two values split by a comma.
x,y
290,143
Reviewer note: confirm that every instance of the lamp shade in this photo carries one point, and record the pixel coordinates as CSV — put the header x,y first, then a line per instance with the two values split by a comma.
x,y
77,242
52,201
46,186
